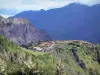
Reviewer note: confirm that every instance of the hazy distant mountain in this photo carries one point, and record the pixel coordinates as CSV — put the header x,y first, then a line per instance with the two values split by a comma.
x,y
72,22
20,31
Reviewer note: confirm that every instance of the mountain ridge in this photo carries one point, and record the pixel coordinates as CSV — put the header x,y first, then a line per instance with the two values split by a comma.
x,y
72,22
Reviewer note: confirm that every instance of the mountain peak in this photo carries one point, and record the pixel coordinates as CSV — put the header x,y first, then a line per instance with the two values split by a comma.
x,y
11,21
20,31
18,20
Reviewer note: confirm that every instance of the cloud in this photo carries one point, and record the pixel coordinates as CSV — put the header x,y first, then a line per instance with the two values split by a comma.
x,y
41,4
7,11
89,2
5,15
33,4
22,5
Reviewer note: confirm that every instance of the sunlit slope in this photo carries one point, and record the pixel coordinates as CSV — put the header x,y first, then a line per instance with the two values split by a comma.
x,y
76,57
64,58
15,60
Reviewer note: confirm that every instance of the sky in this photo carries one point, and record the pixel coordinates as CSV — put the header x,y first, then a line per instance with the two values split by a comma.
x,y
12,7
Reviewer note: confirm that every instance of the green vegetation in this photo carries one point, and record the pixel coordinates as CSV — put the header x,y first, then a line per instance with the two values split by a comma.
x,y
65,58
77,57
15,60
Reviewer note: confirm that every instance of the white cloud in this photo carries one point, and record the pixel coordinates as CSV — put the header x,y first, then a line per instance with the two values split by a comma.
x,y
89,2
33,4
22,5
5,15
40,4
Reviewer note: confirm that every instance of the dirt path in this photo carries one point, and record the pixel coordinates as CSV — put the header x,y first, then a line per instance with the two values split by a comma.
x,y
53,43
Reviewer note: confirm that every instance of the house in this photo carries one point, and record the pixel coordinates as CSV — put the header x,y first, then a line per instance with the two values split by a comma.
x,y
38,48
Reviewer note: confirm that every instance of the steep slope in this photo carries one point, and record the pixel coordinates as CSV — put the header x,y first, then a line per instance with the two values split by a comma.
x,y
20,31
72,22
77,57
73,57
64,58
15,60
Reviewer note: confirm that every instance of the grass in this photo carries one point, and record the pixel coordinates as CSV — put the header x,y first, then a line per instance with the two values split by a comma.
x,y
61,60
85,52
15,60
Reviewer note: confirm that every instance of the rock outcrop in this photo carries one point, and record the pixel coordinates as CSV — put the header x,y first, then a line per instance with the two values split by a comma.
x,y
20,31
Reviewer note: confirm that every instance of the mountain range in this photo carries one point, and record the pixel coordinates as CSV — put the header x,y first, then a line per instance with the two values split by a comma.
x,y
72,22
27,50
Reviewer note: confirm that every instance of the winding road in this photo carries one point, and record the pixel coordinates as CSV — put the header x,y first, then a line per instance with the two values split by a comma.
x,y
53,43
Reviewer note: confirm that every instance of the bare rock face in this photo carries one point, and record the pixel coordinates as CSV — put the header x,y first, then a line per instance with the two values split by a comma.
x,y
20,31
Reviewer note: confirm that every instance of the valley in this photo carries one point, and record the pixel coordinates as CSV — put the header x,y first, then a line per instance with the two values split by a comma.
x,y
71,57
60,41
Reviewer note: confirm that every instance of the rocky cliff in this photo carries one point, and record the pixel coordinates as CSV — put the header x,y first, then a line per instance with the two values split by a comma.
x,y
20,31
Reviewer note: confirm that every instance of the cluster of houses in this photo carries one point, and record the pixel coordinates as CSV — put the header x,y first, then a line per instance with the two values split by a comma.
x,y
43,46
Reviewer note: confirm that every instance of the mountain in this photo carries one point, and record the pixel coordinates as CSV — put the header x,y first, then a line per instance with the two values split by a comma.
x,y
73,57
15,60
21,31
64,58
72,22
76,57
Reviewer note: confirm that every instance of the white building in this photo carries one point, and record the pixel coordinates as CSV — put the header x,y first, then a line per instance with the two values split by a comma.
x,y
38,48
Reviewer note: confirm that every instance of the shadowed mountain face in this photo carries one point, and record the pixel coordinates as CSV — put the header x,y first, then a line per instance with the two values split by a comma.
x,y
72,22
20,31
